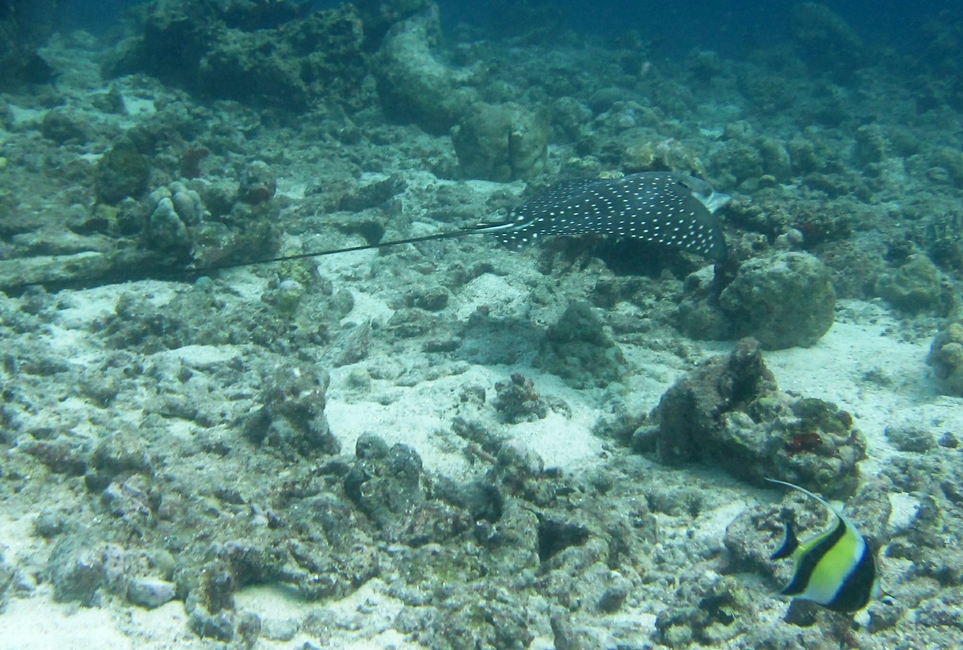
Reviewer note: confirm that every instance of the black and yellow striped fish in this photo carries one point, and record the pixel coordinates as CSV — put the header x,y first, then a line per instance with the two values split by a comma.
x,y
835,568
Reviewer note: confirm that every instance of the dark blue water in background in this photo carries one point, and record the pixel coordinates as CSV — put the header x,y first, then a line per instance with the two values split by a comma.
x,y
731,28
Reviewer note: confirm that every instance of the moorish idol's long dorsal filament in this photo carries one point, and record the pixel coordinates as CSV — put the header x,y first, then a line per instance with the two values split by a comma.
x,y
835,568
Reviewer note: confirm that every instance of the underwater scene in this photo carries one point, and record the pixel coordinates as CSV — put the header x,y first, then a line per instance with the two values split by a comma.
x,y
509,324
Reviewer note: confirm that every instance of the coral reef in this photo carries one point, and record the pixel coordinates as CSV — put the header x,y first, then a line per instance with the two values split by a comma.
x,y
448,443
171,209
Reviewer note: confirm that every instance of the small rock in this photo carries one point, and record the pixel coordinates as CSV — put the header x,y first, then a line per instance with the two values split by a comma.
x,y
219,626
433,298
282,629
76,571
50,523
611,601
908,438
566,638
883,615
516,400
150,592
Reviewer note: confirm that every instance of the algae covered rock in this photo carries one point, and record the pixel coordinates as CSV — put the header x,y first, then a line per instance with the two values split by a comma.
x,y
825,41
63,127
387,484
578,350
7,575
412,84
120,173
717,618
698,314
20,272
379,15
406,503
24,26
319,55
915,286
946,358
291,415
782,301
516,400
689,411
871,145
738,159
503,142
730,412
76,571
910,438
274,53
116,457
258,183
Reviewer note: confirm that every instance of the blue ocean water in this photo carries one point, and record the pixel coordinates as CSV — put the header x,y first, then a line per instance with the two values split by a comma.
x,y
732,28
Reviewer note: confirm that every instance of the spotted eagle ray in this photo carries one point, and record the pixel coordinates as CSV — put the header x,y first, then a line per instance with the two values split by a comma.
x,y
675,210
667,208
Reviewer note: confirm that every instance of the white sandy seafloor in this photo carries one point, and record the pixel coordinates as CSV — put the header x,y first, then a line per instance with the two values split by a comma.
x,y
864,343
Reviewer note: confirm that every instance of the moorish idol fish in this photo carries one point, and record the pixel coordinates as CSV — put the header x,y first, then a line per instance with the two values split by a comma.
x,y
835,568
667,208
